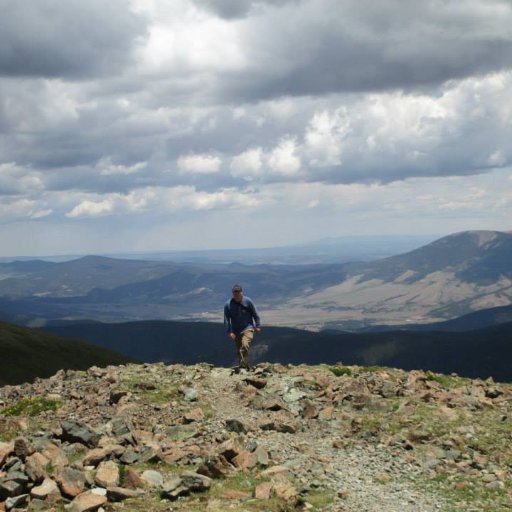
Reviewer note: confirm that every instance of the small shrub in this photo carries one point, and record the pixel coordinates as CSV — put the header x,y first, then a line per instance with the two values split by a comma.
x,y
340,370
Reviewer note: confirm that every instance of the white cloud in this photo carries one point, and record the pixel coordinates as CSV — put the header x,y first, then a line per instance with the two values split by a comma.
x,y
283,159
199,164
107,168
160,200
16,209
15,179
324,137
248,164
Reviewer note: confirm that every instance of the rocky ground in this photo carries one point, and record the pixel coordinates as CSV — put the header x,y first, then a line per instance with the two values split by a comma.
x,y
200,438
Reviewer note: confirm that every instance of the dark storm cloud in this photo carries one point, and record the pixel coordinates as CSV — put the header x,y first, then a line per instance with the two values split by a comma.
x,y
329,46
230,9
71,38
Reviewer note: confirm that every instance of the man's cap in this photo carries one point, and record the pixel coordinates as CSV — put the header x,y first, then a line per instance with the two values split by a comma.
x,y
236,288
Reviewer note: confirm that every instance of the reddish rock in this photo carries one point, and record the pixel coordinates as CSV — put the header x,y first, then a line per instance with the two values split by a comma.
x,y
35,465
326,414
215,467
196,414
263,491
5,450
107,474
55,455
71,482
48,490
256,382
245,460
23,448
310,412
87,502
285,490
230,449
235,495
97,455
132,480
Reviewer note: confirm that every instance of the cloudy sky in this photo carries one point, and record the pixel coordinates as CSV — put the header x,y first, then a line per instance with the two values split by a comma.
x,y
143,125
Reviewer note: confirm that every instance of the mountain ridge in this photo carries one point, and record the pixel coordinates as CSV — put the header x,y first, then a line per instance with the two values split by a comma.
x,y
450,277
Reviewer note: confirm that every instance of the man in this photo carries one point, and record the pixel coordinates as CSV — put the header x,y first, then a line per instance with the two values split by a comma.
x,y
241,320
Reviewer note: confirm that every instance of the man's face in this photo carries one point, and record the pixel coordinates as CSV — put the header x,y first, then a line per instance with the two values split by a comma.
x,y
237,295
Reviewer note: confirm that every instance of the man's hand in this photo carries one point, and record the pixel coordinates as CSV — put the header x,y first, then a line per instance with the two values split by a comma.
x,y
258,329
232,336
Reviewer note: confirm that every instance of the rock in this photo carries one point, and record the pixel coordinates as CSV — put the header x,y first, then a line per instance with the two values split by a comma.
x,y
173,489
87,502
5,450
96,455
23,448
326,414
262,457
15,502
275,470
256,382
214,467
121,493
285,490
107,474
75,432
280,424
234,425
245,460
47,490
293,395
230,449
267,404
120,426
35,465
152,478
71,482
495,485
10,488
55,455
132,480
190,394
186,483
263,491
309,412
116,395
150,453
18,476
129,457
235,495
196,414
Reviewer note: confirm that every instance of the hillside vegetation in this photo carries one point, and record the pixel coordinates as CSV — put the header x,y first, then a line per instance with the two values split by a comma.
x,y
480,353
29,353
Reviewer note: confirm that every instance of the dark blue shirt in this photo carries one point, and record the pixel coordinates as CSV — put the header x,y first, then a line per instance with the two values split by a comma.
x,y
240,316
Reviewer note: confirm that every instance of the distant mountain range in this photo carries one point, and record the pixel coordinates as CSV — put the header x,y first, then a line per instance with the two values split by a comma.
x,y
30,353
479,353
451,277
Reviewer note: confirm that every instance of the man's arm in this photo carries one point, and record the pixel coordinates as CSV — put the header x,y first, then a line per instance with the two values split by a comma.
x,y
227,319
256,316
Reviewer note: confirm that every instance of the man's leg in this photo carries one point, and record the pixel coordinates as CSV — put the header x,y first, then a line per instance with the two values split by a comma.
x,y
243,342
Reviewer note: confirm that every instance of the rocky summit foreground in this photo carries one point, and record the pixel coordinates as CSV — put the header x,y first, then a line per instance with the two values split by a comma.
x,y
199,438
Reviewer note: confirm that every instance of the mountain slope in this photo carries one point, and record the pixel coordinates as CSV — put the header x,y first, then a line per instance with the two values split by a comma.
x,y
481,353
28,353
448,278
